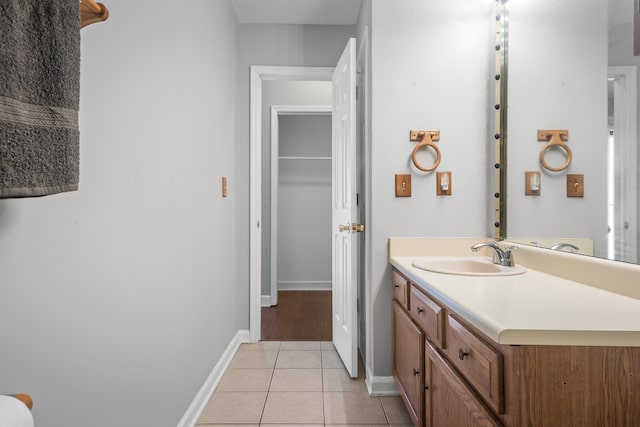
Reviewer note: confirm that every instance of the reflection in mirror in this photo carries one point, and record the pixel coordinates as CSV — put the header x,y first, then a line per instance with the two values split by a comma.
x,y
572,66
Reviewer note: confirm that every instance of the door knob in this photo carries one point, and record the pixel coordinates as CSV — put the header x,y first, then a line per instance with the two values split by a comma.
x,y
357,228
343,228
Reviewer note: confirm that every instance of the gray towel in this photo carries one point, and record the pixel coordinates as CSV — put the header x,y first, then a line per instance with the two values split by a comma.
x,y
39,97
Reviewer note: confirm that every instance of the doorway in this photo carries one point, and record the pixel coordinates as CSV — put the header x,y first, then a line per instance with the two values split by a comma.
x,y
259,280
344,198
300,222
622,178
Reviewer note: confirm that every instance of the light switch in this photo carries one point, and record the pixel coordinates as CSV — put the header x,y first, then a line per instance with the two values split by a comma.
x,y
403,185
575,185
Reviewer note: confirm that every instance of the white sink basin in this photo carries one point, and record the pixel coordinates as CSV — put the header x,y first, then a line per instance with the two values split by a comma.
x,y
466,266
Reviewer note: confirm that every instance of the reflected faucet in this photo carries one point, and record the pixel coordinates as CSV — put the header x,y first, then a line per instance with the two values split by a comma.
x,y
500,256
561,246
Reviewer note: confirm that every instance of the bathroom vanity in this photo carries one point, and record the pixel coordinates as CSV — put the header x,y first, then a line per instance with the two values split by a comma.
x,y
532,349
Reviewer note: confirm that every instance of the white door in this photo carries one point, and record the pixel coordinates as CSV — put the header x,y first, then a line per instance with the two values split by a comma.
x,y
344,210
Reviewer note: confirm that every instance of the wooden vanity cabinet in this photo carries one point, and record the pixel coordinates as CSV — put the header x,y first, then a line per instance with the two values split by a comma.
x,y
437,391
451,375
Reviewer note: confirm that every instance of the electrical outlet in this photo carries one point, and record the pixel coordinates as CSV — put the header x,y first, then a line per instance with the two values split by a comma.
x,y
443,183
532,183
403,185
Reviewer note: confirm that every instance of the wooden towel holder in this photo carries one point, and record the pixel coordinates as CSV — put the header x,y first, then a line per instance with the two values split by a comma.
x,y
92,12
556,138
426,138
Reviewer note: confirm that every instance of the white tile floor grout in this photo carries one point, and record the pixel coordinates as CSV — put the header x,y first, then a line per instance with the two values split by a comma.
x,y
296,383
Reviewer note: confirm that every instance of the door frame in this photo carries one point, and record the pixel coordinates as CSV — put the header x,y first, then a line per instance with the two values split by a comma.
x,y
625,129
276,112
259,74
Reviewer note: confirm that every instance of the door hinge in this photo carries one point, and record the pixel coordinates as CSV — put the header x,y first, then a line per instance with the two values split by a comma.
x,y
357,306
357,199
357,93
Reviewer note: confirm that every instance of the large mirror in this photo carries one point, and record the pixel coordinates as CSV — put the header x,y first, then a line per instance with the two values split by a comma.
x,y
572,69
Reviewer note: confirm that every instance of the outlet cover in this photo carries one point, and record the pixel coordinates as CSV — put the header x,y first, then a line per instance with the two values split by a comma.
x,y
532,183
443,183
403,185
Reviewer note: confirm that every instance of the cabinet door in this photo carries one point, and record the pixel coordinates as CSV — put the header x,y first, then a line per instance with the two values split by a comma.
x,y
408,356
448,400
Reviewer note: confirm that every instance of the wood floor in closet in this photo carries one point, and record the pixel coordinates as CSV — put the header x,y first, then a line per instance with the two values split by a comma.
x,y
299,316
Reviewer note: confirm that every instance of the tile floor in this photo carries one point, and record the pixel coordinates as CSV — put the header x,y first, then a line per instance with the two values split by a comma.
x,y
296,383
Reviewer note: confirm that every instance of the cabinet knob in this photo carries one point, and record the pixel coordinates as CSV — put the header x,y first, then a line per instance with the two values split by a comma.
x,y
415,372
462,354
396,286
420,310
426,387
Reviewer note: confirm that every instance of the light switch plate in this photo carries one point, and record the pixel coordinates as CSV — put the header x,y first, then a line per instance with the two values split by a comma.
x,y
403,185
575,185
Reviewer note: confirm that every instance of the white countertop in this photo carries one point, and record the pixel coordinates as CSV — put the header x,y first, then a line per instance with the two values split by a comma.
x,y
533,308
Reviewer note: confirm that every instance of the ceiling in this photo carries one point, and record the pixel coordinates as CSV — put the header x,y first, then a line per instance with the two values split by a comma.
x,y
311,12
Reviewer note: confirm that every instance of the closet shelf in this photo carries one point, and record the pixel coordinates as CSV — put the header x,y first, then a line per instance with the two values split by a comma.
x,y
304,158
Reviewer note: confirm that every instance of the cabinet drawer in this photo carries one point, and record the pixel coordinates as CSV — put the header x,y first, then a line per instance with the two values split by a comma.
x,y
448,399
428,315
400,289
480,364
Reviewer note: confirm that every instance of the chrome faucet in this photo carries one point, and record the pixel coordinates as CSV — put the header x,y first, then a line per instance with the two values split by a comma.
x,y
561,246
500,256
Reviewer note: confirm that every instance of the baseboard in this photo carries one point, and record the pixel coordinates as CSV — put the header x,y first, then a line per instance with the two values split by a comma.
x,y
381,386
265,300
304,285
190,418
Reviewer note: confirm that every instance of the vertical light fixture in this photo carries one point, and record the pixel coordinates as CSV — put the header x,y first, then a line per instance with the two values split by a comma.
x,y
500,121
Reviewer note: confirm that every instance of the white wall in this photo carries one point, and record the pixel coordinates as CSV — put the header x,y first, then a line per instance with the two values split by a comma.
x,y
117,300
558,80
431,69
280,92
304,203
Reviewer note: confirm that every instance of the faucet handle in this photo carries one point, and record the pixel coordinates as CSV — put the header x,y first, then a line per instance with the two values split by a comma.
x,y
508,256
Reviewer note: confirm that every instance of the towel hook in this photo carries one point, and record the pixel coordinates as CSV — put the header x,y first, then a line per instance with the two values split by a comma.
x,y
555,138
426,138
